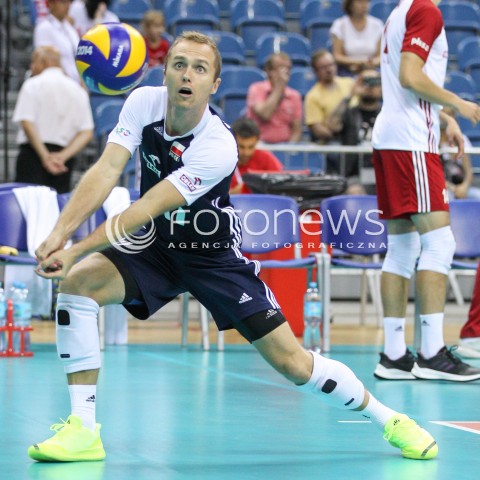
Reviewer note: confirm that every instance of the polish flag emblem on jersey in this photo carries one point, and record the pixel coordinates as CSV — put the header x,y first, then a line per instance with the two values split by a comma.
x,y
176,151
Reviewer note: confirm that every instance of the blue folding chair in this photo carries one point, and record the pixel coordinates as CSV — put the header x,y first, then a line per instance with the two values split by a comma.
x,y
296,46
358,238
232,93
230,46
464,215
184,15
13,230
270,222
252,19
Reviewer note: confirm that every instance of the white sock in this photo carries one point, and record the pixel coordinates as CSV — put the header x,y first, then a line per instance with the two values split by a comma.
x,y
377,412
432,334
394,333
82,400
334,383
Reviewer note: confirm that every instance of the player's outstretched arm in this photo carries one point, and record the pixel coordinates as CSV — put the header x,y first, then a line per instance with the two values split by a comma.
x,y
159,199
88,196
414,78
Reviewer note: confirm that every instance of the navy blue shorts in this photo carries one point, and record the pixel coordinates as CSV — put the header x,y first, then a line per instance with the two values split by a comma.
x,y
226,284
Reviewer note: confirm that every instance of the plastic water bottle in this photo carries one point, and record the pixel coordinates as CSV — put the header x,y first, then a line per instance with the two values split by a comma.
x,y
22,313
312,317
3,317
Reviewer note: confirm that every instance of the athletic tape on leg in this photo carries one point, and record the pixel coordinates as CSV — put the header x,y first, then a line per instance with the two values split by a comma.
x,y
402,254
78,343
334,383
438,248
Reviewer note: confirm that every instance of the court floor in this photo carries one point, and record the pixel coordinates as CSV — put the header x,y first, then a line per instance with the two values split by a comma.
x,y
172,413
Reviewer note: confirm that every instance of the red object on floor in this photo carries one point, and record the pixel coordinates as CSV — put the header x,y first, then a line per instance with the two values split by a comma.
x,y
289,285
9,328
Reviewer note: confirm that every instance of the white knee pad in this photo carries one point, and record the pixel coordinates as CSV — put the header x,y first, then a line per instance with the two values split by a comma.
x,y
402,254
438,248
334,383
78,343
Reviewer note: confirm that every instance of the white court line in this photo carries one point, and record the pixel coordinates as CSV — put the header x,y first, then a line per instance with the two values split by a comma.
x,y
354,421
459,427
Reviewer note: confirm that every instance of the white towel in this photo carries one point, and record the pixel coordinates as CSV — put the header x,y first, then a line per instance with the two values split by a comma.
x,y
117,201
40,208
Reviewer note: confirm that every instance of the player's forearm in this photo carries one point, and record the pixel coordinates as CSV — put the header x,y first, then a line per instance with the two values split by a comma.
x,y
88,196
425,88
164,197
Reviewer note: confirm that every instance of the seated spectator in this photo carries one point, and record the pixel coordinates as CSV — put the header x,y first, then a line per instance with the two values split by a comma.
x,y
356,37
86,14
275,107
356,129
324,98
458,173
56,119
56,31
247,135
153,27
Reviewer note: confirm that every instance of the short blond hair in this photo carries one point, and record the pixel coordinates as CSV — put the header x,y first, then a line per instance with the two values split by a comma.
x,y
153,16
198,37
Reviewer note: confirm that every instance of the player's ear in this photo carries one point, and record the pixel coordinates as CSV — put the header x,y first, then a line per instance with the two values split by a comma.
x,y
215,86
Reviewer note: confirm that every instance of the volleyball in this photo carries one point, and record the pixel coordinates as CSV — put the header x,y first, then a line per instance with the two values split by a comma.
x,y
112,58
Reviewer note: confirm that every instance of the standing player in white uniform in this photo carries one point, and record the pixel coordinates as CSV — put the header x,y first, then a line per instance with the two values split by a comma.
x,y
411,188
188,158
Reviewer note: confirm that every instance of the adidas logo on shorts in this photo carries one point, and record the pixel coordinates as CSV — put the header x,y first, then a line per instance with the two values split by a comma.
x,y
244,298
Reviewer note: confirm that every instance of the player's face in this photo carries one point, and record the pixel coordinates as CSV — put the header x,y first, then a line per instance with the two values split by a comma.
x,y
190,74
246,147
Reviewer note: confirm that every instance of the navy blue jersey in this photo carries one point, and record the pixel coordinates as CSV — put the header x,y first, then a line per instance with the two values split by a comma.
x,y
200,164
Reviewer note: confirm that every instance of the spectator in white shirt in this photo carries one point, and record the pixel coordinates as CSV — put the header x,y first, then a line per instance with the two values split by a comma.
x,y
86,14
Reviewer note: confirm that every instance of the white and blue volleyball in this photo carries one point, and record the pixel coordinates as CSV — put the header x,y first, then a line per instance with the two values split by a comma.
x,y
112,58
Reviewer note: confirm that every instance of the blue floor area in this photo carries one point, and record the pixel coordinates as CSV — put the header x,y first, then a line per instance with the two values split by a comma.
x,y
170,414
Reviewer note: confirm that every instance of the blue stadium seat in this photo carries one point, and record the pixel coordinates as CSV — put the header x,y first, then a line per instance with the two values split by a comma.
x,y
105,117
316,18
153,77
182,15
292,8
382,8
232,93
224,6
302,79
462,84
252,19
230,46
131,11
468,59
461,20
295,45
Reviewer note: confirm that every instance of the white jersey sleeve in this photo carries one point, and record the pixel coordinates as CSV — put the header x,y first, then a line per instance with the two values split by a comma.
x,y
214,159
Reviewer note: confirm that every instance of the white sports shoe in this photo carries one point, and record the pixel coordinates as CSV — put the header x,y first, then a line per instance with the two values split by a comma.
x,y
469,348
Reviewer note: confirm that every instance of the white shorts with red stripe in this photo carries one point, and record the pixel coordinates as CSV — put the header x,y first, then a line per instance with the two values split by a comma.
x,y
409,183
